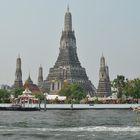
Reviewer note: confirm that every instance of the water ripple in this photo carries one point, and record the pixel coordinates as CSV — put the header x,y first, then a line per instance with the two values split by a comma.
x,y
74,129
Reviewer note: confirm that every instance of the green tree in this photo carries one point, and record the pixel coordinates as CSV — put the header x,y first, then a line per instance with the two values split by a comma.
x,y
4,96
73,92
17,91
40,96
132,88
119,84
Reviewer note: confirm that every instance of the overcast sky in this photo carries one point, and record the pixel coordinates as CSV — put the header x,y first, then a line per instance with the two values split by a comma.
x,y
32,28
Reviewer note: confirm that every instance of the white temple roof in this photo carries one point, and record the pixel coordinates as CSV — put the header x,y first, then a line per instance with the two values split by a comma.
x,y
27,91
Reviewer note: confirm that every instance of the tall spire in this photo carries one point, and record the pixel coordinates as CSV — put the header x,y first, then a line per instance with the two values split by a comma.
x,y
18,74
40,75
102,61
68,8
68,21
104,86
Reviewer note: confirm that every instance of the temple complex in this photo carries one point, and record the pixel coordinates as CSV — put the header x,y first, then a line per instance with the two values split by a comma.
x,y
67,69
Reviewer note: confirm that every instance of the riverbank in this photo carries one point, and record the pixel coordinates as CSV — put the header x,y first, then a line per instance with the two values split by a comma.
x,y
35,107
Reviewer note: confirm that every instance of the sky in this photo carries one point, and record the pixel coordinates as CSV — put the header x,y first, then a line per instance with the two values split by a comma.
x,y
32,28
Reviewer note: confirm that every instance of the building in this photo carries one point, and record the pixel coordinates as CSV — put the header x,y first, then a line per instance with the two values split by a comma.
x,y
31,86
5,87
104,86
18,74
26,98
67,68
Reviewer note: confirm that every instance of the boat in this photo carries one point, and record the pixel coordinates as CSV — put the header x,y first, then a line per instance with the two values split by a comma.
x,y
136,110
18,107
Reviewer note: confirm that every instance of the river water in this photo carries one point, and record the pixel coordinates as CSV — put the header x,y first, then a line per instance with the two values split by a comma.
x,y
70,125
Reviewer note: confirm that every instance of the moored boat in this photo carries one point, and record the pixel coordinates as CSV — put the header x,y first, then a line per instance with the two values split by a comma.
x,y
137,109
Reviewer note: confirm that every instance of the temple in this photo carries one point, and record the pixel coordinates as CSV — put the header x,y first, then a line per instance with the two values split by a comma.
x,y
67,68
31,86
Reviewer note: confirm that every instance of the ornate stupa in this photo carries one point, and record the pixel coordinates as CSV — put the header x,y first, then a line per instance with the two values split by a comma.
x,y
67,68
40,76
18,74
104,86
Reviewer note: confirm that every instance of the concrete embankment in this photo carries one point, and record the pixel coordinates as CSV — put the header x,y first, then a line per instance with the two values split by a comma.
x,y
88,106
35,107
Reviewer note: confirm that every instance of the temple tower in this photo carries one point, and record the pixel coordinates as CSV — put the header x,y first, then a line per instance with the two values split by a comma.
x,y
40,76
67,68
104,86
18,74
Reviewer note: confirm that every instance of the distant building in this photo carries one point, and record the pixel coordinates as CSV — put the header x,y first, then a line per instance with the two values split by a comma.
x,y
104,86
67,68
5,87
18,74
